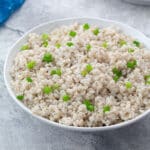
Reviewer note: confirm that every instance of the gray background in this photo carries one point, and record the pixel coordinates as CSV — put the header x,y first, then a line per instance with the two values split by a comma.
x,y
18,130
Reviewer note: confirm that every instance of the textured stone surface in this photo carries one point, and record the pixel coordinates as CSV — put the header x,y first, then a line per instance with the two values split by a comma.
x,y
18,130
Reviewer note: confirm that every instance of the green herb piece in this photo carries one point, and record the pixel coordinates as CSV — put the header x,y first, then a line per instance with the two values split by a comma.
x,y
84,73
117,74
58,45
87,70
147,79
47,90
96,31
45,37
128,85
70,44
106,108
45,43
132,64
56,72
48,57
31,64
86,26
72,33
29,79
20,97
122,42
88,47
25,47
105,44
66,97
55,86
89,105
136,43
130,50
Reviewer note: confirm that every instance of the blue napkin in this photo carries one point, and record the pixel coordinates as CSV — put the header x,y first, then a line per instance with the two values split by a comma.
x,y
7,7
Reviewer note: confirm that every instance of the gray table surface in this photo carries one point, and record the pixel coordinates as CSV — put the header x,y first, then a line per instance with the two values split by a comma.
x,y
18,130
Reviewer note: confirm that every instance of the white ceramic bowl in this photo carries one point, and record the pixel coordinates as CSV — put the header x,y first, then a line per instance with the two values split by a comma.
x,y
47,27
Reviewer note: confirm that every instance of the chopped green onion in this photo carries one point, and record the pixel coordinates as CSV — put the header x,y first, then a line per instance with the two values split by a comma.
x,y
96,31
116,78
147,79
72,33
29,79
84,73
87,70
50,89
31,64
88,47
48,57
122,42
106,108
20,97
57,72
136,43
132,64
86,26
45,37
89,105
47,90
105,44
130,50
66,97
25,47
117,74
58,45
45,43
128,85
70,44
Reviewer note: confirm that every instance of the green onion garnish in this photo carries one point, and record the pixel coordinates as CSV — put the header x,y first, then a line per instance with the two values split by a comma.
x,y
105,44
128,85
31,64
47,90
66,97
25,47
86,26
130,50
72,33
20,97
122,42
45,43
87,70
45,37
89,105
136,43
96,31
50,89
132,64
117,74
58,45
106,108
28,79
147,79
88,47
47,57
70,44
56,72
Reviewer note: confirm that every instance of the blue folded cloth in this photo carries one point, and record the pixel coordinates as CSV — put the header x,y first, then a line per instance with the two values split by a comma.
x,y
7,7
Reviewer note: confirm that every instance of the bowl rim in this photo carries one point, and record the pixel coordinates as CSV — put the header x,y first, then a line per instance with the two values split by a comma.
x,y
44,120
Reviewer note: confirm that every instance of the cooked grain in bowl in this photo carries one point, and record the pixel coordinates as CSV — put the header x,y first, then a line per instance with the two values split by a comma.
x,y
83,75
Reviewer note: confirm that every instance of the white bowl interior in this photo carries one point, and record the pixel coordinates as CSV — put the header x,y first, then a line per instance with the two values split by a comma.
x,y
47,27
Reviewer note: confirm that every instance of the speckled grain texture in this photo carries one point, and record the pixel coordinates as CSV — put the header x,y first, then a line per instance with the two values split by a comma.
x,y
18,130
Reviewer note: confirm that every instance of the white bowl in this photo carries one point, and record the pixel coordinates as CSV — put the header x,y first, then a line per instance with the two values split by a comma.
x,y
47,27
